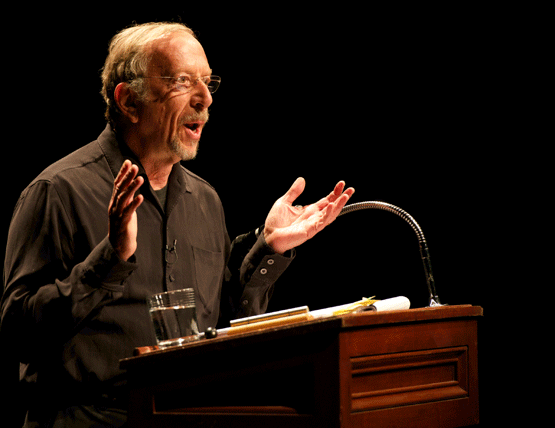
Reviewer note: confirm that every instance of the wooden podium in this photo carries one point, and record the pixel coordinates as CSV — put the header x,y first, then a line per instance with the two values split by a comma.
x,y
413,368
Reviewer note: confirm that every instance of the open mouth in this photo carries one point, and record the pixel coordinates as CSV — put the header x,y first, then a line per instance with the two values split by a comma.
x,y
194,123
194,129
192,126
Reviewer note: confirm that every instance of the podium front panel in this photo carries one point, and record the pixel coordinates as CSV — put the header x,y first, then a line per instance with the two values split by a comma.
x,y
419,373
415,368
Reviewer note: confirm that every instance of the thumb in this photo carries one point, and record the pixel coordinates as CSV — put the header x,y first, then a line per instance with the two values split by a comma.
x,y
294,191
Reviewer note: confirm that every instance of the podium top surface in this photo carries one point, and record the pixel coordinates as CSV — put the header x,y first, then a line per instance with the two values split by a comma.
x,y
338,323
411,315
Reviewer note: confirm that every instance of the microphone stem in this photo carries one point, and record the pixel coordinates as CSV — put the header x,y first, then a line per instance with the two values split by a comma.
x,y
424,252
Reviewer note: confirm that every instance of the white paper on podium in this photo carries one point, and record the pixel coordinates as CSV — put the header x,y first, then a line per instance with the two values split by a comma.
x,y
392,304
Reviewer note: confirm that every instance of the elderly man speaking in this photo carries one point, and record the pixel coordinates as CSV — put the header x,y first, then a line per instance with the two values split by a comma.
x,y
120,219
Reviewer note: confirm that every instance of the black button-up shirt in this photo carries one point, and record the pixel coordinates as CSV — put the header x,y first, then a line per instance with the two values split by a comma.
x,y
72,309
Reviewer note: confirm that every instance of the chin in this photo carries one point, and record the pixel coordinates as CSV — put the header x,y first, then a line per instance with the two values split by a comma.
x,y
184,152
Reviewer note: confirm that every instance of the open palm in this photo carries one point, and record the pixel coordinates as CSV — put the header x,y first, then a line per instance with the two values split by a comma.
x,y
288,226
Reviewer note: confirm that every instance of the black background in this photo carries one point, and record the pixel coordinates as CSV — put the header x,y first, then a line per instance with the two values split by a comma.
x,y
400,102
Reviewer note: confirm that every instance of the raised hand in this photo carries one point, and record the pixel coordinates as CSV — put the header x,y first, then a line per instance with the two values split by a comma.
x,y
288,226
122,210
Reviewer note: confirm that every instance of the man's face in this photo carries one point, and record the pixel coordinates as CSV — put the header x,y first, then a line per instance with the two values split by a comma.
x,y
171,118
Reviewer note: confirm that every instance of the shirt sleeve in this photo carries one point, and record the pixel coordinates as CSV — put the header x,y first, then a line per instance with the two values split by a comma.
x,y
47,293
253,269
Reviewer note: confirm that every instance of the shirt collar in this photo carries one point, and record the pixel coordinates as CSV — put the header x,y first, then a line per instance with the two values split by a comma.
x,y
116,152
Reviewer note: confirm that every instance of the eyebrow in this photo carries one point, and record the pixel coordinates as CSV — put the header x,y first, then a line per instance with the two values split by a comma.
x,y
210,72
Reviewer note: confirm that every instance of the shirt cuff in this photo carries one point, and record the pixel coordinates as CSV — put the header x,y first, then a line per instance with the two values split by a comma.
x,y
260,270
264,263
106,267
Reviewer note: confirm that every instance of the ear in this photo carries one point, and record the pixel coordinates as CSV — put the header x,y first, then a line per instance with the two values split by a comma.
x,y
126,99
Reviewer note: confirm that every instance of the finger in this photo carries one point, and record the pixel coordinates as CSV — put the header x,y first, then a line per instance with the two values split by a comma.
x,y
349,192
332,210
125,177
294,191
122,172
339,188
132,206
126,195
129,177
339,204
126,214
332,197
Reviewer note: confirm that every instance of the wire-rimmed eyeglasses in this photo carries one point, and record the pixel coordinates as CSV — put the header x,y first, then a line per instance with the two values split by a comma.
x,y
186,82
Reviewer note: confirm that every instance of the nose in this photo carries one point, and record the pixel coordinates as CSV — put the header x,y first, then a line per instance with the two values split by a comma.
x,y
201,98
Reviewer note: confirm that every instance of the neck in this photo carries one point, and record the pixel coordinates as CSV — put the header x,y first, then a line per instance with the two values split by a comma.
x,y
157,174
157,164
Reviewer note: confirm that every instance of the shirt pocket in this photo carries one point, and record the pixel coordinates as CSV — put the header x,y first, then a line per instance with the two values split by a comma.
x,y
209,271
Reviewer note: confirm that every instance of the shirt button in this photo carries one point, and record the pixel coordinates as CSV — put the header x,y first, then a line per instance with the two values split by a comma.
x,y
263,271
271,261
172,278
245,302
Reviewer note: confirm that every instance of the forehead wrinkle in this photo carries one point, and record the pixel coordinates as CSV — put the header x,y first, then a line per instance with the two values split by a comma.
x,y
177,53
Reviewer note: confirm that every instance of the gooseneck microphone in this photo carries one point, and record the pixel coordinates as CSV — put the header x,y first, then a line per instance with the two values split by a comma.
x,y
424,252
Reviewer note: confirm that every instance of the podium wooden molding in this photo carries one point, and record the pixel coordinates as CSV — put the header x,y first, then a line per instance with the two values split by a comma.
x,y
413,368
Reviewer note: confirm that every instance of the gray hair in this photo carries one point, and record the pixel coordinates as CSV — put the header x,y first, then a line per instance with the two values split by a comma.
x,y
127,60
